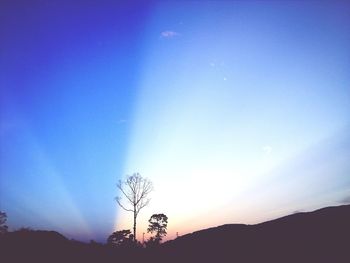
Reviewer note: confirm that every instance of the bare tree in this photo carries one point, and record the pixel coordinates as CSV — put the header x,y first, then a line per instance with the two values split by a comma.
x,y
135,189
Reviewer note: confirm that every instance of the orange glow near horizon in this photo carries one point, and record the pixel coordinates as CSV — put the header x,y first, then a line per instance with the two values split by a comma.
x,y
240,130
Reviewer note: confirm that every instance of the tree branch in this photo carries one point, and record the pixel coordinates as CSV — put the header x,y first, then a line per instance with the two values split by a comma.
x,y
125,194
120,204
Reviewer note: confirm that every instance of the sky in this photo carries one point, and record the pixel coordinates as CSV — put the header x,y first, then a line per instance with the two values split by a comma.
x,y
237,111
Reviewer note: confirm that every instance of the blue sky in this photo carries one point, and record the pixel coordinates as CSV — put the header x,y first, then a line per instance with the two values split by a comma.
x,y
240,107
69,75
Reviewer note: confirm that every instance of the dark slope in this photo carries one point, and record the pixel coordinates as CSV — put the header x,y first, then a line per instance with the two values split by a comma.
x,y
51,247
319,236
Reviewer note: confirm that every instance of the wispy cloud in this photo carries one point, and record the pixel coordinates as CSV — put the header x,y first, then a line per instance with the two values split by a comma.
x,y
267,149
121,121
297,212
169,34
345,200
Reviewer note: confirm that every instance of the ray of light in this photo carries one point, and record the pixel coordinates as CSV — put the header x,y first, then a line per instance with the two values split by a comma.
x,y
41,203
220,110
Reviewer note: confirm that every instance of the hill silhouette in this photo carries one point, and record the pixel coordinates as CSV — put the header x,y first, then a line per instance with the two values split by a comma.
x,y
50,246
319,236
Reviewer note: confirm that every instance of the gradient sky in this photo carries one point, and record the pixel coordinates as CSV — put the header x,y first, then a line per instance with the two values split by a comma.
x,y
239,112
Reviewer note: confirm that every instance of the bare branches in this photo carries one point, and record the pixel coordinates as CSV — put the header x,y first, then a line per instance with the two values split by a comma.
x,y
142,204
135,189
127,195
122,206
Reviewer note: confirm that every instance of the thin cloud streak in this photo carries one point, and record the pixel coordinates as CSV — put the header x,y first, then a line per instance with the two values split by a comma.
x,y
345,200
267,149
168,34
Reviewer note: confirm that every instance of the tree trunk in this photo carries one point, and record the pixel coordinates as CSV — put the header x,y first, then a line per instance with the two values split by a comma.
x,y
134,226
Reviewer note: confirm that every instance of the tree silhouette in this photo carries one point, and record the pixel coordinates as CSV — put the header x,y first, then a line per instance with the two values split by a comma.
x,y
135,190
152,242
157,224
3,218
121,238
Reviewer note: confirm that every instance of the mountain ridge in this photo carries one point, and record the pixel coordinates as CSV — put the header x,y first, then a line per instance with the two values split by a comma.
x,y
319,236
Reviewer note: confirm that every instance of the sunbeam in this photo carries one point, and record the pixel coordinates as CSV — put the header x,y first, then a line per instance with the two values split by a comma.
x,y
214,119
237,111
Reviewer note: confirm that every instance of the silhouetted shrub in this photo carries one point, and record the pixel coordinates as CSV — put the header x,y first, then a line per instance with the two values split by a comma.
x,y
3,218
122,238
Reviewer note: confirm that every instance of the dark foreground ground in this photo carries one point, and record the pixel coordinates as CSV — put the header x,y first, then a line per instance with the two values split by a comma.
x,y
319,236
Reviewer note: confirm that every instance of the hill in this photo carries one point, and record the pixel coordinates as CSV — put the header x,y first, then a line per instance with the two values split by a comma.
x,y
49,246
319,236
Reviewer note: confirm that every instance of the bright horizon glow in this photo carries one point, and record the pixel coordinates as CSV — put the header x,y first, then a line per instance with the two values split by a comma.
x,y
237,111
223,110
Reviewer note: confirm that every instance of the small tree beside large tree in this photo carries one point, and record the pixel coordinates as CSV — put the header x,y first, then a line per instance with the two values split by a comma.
x,y
158,224
135,190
